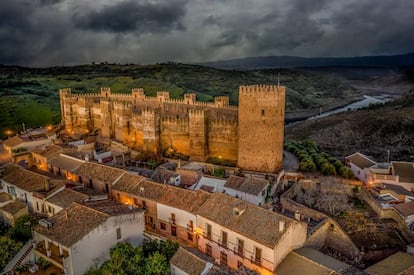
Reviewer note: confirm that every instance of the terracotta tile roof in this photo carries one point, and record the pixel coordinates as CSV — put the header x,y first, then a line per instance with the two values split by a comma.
x,y
139,186
253,222
110,207
397,263
65,162
13,141
307,260
188,262
72,224
7,169
14,207
251,185
66,197
99,172
4,197
360,160
405,170
398,189
48,151
406,209
26,180
184,199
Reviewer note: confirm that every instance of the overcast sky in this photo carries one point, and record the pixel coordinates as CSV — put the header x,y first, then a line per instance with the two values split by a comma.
x,y
68,32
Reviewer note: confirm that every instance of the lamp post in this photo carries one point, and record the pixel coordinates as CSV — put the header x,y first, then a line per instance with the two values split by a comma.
x,y
8,133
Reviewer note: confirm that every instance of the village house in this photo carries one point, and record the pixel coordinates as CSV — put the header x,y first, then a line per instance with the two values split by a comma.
x,y
12,211
251,189
29,187
96,176
306,260
176,213
30,140
397,172
406,210
42,156
238,233
399,263
189,261
360,165
81,235
138,191
60,200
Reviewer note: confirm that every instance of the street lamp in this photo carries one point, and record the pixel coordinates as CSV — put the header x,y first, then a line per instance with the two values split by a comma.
x,y
8,133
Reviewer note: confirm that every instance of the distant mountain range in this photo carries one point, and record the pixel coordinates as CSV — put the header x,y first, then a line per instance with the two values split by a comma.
x,y
267,62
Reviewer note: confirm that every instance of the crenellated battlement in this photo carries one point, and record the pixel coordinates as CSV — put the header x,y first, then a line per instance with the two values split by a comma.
x,y
251,134
261,90
222,122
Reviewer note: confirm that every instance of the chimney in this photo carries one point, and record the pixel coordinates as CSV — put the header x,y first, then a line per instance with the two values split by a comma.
x,y
281,226
297,215
47,184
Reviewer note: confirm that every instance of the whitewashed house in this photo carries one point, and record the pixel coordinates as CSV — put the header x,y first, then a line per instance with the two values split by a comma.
x,y
399,173
360,165
81,235
238,233
250,188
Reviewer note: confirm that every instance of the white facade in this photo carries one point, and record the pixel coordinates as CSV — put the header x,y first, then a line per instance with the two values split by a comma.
x,y
363,174
182,217
293,238
18,193
94,247
258,199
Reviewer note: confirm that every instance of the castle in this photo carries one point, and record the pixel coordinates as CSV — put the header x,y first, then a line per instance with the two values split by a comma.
x,y
250,134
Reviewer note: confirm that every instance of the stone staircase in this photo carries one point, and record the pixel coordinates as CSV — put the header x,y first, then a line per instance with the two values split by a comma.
x,y
19,258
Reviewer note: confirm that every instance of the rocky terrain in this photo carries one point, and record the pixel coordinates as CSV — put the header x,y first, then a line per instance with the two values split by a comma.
x,y
372,131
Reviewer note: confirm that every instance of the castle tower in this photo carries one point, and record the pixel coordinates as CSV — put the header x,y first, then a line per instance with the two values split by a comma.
x,y
105,92
261,115
198,134
151,130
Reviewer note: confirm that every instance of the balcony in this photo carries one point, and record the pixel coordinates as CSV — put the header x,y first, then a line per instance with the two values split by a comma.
x,y
239,251
190,228
256,261
52,255
222,243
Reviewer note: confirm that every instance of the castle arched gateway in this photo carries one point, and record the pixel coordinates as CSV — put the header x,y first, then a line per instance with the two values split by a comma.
x,y
250,135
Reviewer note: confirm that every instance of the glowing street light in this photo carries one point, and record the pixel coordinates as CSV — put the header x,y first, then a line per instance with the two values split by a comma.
x,y
9,133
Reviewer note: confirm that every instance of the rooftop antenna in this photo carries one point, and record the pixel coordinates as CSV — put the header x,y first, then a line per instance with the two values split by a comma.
x,y
278,80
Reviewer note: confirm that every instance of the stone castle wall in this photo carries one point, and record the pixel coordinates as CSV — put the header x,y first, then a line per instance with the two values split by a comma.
x,y
252,134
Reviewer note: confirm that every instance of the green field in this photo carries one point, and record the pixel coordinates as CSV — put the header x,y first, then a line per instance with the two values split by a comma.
x,y
30,95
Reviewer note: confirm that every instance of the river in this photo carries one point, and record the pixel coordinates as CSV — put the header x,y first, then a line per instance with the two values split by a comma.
x,y
350,107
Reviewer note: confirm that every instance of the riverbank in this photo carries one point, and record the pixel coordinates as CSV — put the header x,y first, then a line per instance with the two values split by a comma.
x,y
296,116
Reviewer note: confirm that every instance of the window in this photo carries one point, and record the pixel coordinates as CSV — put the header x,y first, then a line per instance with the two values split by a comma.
x,y
144,204
239,264
173,230
37,206
208,250
240,247
223,258
189,236
163,226
208,231
118,233
172,219
224,238
258,256
264,192
190,226
263,112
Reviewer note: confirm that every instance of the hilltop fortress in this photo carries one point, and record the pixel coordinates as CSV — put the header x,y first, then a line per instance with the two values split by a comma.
x,y
250,134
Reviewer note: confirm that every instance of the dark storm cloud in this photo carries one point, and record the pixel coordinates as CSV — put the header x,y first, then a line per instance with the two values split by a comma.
x,y
57,32
135,16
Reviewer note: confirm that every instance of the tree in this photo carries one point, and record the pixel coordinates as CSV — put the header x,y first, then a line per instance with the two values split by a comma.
x,y
168,248
328,169
9,249
157,264
22,230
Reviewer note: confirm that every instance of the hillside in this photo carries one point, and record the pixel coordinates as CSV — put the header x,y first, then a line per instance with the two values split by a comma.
x,y
263,62
30,95
372,131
